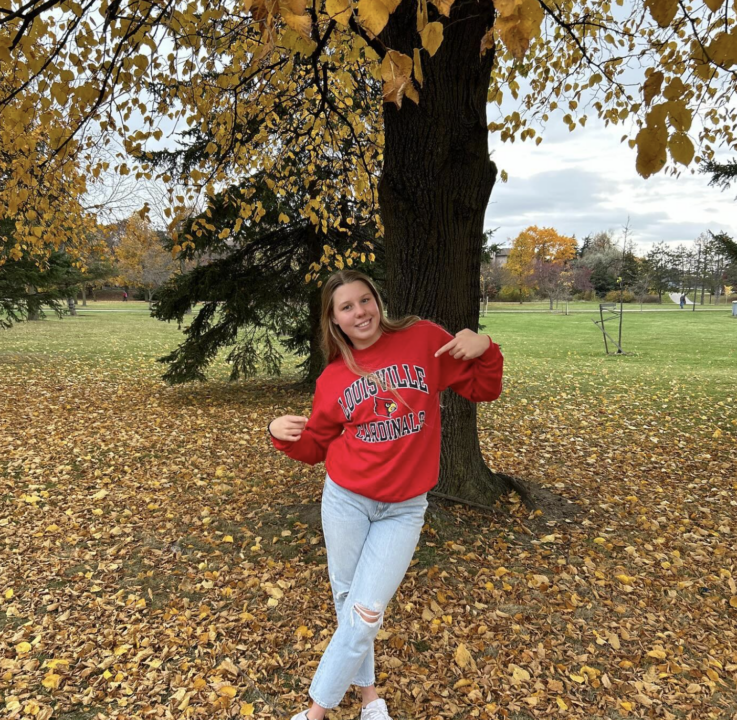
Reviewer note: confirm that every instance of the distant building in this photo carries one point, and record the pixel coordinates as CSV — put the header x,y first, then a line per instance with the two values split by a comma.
x,y
500,258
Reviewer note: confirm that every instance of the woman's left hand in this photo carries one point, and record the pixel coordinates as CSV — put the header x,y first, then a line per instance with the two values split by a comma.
x,y
466,345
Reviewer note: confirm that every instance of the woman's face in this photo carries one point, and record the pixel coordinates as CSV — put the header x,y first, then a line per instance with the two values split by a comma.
x,y
356,313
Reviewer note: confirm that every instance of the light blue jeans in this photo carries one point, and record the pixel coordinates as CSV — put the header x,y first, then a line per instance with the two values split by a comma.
x,y
370,545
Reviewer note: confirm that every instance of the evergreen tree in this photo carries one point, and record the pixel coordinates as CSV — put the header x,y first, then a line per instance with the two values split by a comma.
x,y
255,294
27,287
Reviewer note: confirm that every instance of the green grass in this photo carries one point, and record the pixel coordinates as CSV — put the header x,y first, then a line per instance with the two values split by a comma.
x,y
552,351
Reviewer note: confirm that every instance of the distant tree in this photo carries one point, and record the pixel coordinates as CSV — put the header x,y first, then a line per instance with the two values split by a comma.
x,y
601,255
640,288
494,276
659,266
141,258
727,245
536,246
581,279
549,279
714,260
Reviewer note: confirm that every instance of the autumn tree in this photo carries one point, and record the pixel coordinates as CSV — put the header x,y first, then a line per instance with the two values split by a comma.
x,y
538,258
268,77
142,261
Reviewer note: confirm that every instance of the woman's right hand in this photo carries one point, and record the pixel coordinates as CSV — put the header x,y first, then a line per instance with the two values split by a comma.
x,y
288,427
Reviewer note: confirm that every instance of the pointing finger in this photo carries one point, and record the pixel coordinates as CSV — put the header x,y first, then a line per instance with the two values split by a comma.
x,y
445,347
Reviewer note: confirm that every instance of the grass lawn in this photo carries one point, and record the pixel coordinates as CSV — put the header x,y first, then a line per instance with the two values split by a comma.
x,y
158,561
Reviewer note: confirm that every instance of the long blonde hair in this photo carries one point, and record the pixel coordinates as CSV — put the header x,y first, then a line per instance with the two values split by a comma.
x,y
334,341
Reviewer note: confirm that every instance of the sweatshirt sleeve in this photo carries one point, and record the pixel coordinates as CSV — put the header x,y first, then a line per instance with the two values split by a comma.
x,y
321,429
477,380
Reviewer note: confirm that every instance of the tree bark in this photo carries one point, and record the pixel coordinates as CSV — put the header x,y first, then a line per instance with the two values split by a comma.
x,y
84,294
34,310
71,305
315,361
433,193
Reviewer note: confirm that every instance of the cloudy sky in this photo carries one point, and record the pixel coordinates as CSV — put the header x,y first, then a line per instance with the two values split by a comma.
x,y
585,181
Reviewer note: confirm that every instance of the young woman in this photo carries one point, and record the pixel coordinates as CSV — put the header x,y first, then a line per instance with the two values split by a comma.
x,y
376,423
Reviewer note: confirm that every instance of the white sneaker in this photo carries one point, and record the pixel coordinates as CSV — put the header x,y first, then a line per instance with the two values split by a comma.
x,y
300,716
375,710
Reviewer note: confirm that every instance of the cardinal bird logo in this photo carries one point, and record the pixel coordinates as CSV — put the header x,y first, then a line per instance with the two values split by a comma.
x,y
384,407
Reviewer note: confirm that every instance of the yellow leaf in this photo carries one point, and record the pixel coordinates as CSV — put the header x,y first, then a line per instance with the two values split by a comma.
x,y
283,218
733,601
679,114
663,11
462,656
577,678
561,703
100,494
681,148
9,593
626,705
396,69
487,42
247,709
304,632
23,647
417,65
517,23
519,674
674,89
339,10
651,151
713,5
228,539
228,691
443,6
373,14
461,683
657,653
499,572
432,37
651,86
299,23
51,681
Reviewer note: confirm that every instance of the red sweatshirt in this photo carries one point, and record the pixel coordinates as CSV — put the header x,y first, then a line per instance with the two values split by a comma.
x,y
372,444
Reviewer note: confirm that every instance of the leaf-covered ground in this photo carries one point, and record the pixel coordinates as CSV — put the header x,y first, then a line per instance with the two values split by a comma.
x,y
155,561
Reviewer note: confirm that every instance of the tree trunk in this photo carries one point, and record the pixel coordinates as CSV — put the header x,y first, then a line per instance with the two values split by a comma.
x,y
34,309
84,294
72,306
315,362
433,192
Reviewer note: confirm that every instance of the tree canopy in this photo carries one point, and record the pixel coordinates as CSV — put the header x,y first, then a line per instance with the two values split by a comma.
x,y
267,79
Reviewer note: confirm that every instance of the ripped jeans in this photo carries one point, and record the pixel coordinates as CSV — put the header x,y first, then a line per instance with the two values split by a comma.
x,y
370,545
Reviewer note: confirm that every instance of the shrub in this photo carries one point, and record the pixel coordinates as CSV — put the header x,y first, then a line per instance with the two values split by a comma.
x,y
613,296
510,293
585,295
648,299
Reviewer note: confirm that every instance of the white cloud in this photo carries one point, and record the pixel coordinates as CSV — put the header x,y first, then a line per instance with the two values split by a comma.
x,y
585,182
